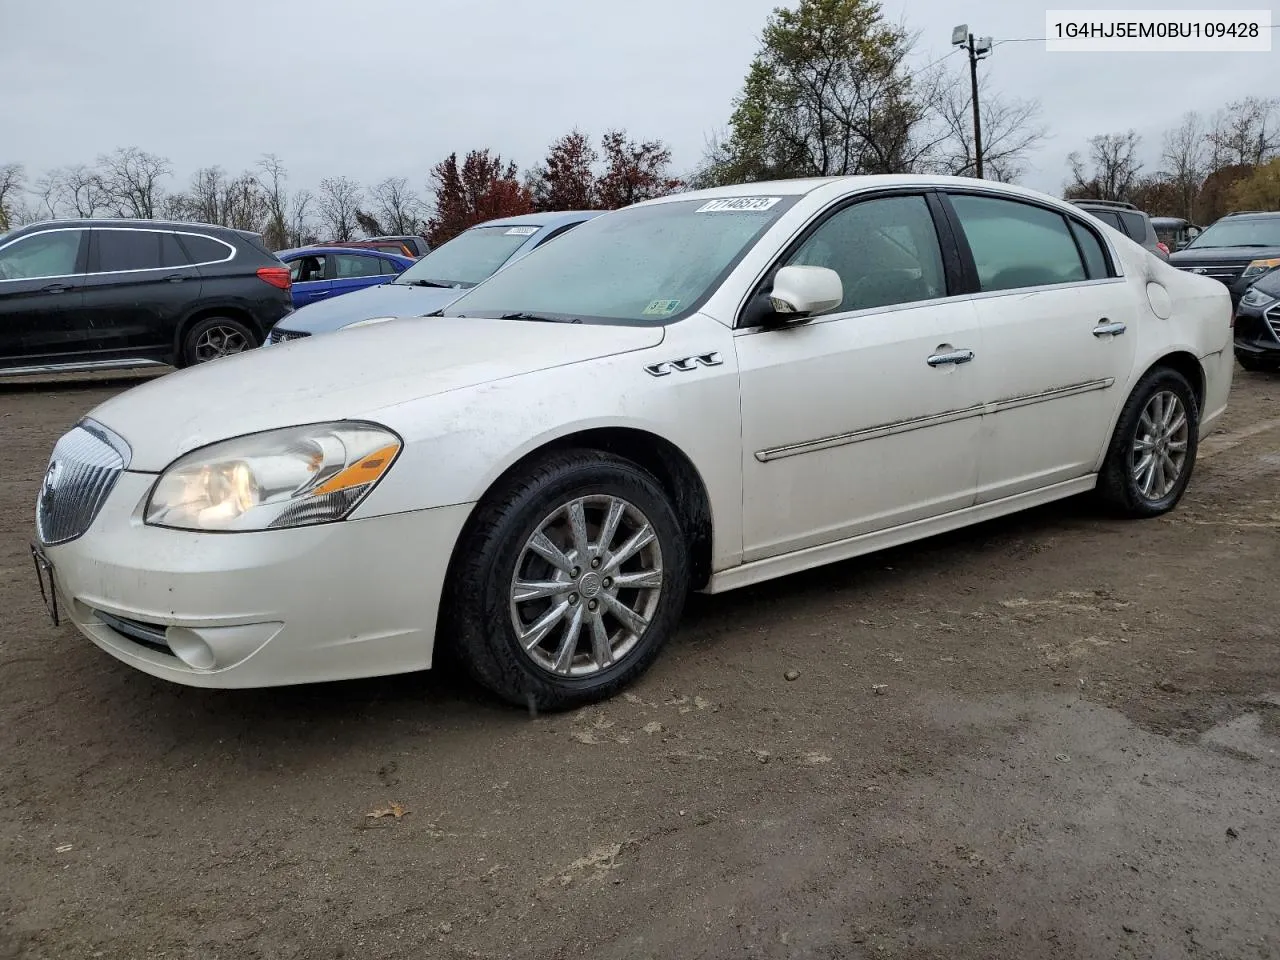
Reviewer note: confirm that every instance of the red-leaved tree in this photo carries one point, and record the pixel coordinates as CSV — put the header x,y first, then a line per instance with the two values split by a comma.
x,y
565,180
484,189
633,171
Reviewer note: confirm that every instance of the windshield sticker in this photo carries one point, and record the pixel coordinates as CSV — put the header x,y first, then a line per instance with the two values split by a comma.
x,y
661,308
522,231
737,204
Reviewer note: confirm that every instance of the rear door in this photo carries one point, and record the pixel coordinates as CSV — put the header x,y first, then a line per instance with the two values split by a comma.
x,y
1058,335
354,271
42,297
310,275
140,284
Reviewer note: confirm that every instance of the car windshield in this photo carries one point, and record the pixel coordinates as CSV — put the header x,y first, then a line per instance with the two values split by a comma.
x,y
644,264
1241,232
468,258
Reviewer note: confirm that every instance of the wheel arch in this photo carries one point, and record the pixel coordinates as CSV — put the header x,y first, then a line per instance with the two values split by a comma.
x,y
675,472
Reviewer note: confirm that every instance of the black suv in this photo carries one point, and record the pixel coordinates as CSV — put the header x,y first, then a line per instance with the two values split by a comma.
x,y
1129,220
110,294
1238,249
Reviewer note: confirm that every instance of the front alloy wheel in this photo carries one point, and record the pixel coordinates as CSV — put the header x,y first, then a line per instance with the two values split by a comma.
x,y
567,581
586,586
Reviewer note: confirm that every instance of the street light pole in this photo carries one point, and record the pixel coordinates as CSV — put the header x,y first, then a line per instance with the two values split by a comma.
x,y
978,48
977,114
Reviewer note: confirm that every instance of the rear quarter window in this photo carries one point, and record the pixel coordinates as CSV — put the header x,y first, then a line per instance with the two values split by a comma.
x,y
202,249
1135,225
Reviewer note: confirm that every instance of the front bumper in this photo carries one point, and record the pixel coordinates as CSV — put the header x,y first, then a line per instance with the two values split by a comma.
x,y
335,601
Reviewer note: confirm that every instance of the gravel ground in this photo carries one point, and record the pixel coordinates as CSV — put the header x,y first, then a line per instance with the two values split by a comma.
x,y
1056,735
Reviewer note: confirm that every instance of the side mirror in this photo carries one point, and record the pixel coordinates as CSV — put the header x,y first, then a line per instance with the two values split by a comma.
x,y
801,292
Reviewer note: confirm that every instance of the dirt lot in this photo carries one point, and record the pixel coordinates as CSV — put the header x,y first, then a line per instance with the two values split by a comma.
x,y
1052,736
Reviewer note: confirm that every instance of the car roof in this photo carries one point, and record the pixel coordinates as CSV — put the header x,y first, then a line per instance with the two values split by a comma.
x,y
325,248
1253,215
134,222
552,218
800,187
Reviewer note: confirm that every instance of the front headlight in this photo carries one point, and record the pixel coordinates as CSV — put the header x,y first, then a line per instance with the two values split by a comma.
x,y
282,478
1258,267
1255,298
367,323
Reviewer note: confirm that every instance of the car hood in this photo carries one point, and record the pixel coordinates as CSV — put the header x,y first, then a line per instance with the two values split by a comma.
x,y
350,376
1208,255
384,300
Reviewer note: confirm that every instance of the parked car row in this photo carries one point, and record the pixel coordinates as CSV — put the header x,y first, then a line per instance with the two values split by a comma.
x,y
699,392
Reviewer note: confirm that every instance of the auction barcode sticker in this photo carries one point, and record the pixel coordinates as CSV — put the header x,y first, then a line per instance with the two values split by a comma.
x,y
1158,31
730,204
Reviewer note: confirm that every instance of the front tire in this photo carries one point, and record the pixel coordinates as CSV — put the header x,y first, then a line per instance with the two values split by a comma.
x,y
1153,450
567,581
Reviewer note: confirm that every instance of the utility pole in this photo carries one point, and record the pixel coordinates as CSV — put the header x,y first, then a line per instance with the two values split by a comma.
x,y
978,49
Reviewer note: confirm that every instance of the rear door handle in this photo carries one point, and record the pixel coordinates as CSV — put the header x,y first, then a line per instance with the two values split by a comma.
x,y
955,356
1109,328
176,277
56,288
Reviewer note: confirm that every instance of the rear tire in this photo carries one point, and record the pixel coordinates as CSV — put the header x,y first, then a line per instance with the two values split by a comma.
x,y
1153,451
215,337
549,602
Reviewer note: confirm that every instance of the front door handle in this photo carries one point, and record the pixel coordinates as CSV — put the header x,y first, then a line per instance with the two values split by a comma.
x,y
952,357
176,277
56,288
1109,328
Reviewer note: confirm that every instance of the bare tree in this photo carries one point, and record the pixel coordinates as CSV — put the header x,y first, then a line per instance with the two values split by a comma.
x,y
75,191
13,183
301,231
276,198
1011,131
131,178
397,207
339,201
1184,157
1247,132
1111,170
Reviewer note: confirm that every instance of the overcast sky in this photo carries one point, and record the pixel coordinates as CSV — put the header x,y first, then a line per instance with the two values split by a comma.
x,y
373,89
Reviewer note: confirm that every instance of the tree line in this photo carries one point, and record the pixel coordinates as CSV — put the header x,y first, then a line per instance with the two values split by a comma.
x,y
1208,165
831,91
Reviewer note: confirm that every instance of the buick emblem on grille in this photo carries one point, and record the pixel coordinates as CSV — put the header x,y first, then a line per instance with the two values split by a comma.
x,y
50,485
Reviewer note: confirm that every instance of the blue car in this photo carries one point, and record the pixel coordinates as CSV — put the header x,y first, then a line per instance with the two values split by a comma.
x,y
322,273
436,280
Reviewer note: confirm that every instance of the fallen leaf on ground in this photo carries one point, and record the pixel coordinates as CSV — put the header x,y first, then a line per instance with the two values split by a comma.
x,y
394,810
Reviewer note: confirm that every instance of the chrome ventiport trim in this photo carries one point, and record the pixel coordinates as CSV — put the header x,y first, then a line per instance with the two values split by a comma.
x,y
919,423
684,364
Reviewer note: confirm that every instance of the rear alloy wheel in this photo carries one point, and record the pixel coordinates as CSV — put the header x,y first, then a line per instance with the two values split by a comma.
x,y
216,337
1153,451
567,582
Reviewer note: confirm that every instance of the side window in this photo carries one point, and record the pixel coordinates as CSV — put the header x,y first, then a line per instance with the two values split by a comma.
x,y
1109,218
886,251
308,269
389,268
203,249
351,265
1016,244
51,254
127,250
171,252
1095,257
1135,225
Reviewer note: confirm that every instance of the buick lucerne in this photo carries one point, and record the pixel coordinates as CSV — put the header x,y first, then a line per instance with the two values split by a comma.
x,y
698,392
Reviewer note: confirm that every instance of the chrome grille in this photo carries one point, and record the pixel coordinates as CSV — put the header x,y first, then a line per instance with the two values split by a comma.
x,y
1273,320
284,336
1227,273
81,473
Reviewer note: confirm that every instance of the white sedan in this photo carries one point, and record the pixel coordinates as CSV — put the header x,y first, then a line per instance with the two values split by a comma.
x,y
699,392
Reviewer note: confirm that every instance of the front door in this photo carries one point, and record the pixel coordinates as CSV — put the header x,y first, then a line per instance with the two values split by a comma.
x,y
1059,332
867,417
42,298
310,275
